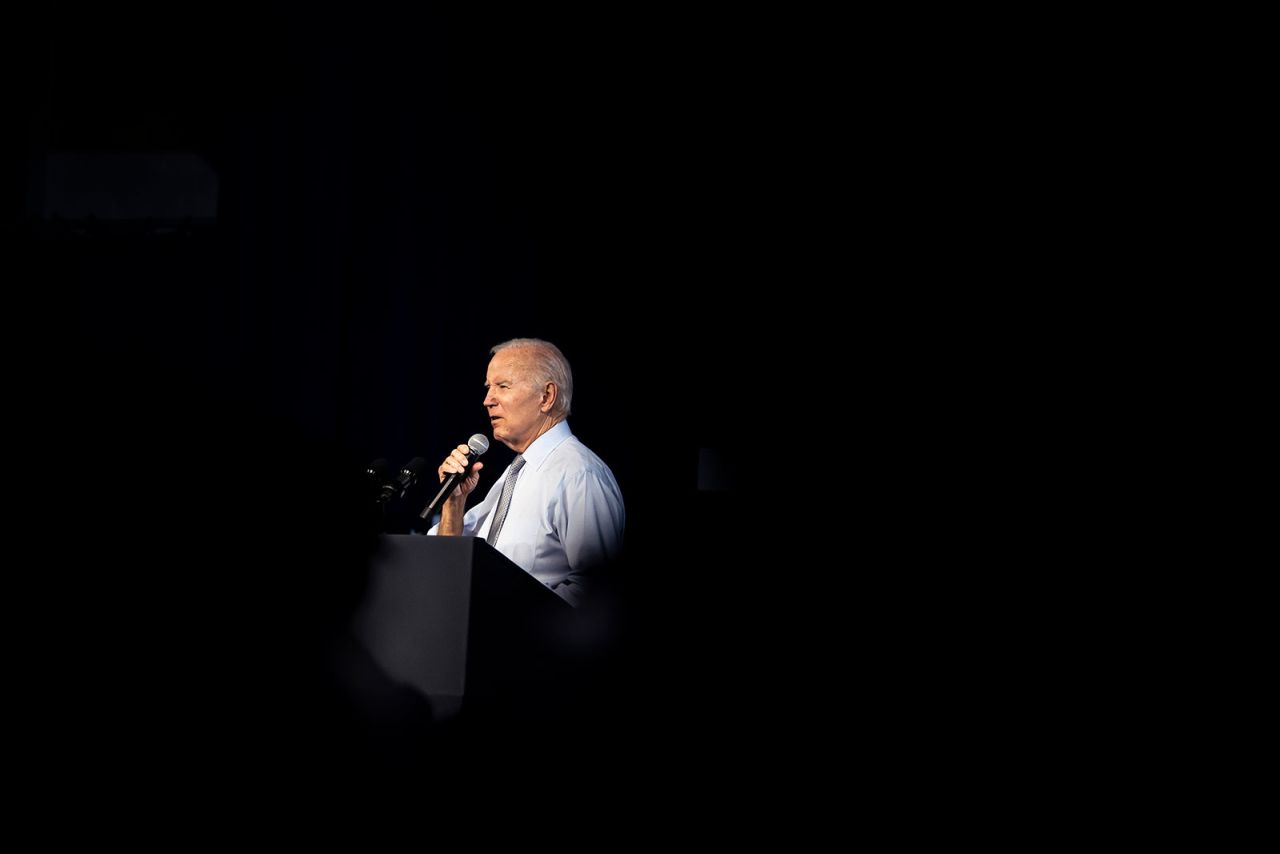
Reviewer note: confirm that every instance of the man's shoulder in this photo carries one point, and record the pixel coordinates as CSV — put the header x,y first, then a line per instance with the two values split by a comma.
x,y
572,456
571,452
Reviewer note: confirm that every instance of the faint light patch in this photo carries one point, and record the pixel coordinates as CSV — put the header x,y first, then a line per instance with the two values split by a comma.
x,y
158,186
716,472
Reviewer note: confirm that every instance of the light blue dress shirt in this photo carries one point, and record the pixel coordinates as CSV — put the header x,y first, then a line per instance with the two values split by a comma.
x,y
566,516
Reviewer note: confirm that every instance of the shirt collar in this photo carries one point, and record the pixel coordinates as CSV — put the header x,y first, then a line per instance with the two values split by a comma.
x,y
542,446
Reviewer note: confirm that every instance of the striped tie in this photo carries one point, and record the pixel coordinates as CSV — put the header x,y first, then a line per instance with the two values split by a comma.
x,y
508,486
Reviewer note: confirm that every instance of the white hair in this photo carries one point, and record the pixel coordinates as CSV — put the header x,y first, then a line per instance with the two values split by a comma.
x,y
549,366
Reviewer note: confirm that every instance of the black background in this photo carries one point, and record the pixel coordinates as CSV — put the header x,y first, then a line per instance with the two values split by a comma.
x,y
666,195
398,190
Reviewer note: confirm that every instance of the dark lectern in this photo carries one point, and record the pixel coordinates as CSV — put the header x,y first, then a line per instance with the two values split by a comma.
x,y
453,618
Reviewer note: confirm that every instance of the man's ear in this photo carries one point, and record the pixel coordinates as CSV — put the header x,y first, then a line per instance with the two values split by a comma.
x,y
548,397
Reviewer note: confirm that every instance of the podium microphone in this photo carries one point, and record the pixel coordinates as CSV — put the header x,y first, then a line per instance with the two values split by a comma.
x,y
478,444
376,474
377,471
408,476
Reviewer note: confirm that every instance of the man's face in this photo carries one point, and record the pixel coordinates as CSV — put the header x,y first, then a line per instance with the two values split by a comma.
x,y
514,401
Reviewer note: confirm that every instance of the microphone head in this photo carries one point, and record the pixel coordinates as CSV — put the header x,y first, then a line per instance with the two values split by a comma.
x,y
378,469
413,469
479,443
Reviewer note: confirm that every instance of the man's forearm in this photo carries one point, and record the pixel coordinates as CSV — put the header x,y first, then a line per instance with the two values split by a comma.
x,y
451,513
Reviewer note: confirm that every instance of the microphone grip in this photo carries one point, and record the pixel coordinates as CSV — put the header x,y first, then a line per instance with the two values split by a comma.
x,y
450,482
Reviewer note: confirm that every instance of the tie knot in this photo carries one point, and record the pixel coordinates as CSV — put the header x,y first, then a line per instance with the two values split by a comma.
x,y
517,464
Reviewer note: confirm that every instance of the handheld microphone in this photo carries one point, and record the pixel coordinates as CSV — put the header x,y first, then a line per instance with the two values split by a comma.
x,y
408,476
478,444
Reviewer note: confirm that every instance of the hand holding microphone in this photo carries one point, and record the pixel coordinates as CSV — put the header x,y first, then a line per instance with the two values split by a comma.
x,y
460,470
